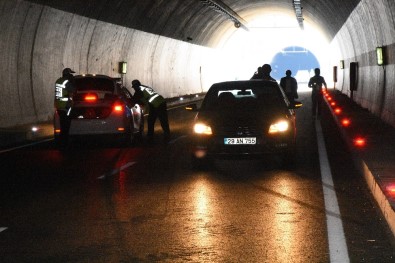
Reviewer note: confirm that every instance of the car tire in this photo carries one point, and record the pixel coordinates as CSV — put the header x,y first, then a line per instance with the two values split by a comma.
x,y
129,138
141,128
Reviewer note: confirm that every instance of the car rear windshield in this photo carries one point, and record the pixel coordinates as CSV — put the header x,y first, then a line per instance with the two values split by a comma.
x,y
228,98
97,84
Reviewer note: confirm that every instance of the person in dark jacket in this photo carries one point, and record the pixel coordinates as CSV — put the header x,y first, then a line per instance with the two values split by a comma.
x,y
316,83
290,86
266,69
157,108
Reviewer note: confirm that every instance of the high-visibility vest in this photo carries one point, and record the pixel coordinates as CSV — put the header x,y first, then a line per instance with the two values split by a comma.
x,y
62,94
151,96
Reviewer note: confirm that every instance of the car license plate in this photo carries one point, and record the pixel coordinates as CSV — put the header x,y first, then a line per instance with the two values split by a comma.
x,y
234,141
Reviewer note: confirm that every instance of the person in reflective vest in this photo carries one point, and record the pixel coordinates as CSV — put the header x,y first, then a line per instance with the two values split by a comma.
x,y
290,86
157,108
316,84
64,89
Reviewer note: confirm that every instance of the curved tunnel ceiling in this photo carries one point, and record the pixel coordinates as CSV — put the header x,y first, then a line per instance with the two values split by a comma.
x,y
192,20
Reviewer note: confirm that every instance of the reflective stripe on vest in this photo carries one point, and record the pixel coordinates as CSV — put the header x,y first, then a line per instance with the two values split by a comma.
x,y
153,97
149,93
59,87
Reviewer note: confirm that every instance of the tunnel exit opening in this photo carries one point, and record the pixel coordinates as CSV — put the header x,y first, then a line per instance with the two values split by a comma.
x,y
275,37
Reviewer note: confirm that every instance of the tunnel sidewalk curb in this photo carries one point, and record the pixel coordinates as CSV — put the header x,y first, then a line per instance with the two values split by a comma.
x,y
376,176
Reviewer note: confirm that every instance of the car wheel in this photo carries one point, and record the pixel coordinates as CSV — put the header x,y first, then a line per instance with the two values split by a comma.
x,y
129,138
141,128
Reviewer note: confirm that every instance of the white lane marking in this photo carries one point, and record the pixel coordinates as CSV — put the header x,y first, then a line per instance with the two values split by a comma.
x,y
25,145
117,170
3,229
336,238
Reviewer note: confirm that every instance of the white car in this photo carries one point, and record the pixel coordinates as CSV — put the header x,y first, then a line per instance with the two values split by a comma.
x,y
102,106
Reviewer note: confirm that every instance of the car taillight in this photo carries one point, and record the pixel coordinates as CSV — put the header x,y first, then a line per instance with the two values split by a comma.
x,y
90,97
118,107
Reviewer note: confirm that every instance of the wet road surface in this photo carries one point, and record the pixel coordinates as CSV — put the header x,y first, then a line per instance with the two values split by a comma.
x,y
96,202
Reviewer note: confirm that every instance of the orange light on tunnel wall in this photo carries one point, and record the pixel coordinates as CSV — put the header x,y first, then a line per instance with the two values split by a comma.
x,y
345,122
359,142
333,104
338,111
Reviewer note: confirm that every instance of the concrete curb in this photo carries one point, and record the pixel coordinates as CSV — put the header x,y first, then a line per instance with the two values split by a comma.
x,y
371,180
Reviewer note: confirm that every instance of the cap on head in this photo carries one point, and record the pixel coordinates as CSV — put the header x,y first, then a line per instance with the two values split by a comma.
x,y
136,83
67,71
288,72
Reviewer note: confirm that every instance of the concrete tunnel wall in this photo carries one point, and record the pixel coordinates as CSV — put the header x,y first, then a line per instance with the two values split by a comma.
x,y
37,41
370,25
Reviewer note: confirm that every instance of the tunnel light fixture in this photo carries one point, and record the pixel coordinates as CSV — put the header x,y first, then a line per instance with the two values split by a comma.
x,y
342,64
123,67
298,12
380,55
223,9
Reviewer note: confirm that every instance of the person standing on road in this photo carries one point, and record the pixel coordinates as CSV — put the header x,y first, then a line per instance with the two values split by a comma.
x,y
64,89
290,86
316,84
157,108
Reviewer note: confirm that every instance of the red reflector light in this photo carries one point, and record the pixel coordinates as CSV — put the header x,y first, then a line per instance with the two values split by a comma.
x,y
329,98
359,142
338,111
333,104
90,97
346,122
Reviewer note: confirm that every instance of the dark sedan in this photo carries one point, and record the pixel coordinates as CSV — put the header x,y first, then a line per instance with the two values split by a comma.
x,y
244,119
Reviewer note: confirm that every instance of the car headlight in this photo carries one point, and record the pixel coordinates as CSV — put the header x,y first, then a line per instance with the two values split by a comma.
x,y
278,127
201,128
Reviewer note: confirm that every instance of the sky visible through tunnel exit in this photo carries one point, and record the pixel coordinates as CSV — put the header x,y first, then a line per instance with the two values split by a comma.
x,y
275,38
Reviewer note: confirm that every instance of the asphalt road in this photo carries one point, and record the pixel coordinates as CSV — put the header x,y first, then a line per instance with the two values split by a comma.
x,y
98,202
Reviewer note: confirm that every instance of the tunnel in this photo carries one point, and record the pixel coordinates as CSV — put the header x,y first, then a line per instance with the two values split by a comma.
x,y
181,47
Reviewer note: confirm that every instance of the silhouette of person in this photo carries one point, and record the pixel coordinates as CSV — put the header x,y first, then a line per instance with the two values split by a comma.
x,y
316,83
290,86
